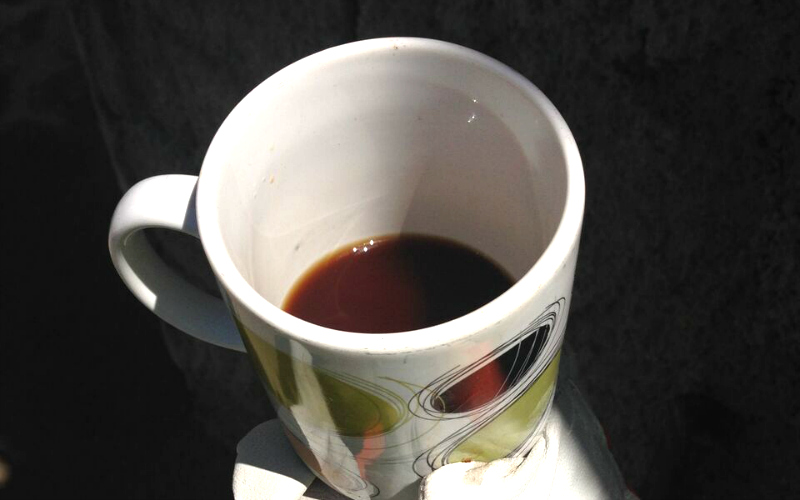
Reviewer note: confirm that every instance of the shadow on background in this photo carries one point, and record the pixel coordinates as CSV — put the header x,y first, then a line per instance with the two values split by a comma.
x,y
91,406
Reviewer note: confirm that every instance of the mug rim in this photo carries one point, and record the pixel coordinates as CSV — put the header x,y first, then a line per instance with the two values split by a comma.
x,y
546,267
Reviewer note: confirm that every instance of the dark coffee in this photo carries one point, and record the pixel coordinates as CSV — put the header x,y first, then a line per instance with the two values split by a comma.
x,y
396,283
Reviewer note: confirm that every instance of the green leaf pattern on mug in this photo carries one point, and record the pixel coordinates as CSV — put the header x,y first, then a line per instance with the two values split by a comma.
x,y
341,424
512,426
497,402
356,407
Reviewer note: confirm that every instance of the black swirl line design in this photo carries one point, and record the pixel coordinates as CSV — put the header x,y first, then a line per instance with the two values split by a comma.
x,y
482,391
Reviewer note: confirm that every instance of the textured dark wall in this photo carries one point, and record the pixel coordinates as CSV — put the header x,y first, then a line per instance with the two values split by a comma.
x,y
684,324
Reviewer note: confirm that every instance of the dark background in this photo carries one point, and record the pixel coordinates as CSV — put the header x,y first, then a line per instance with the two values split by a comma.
x,y
684,324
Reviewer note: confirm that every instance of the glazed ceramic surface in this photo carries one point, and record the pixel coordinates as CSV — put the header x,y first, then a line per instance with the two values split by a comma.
x,y
375,138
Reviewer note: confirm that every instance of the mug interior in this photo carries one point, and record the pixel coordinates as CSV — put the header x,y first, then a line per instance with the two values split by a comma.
x,y
404,138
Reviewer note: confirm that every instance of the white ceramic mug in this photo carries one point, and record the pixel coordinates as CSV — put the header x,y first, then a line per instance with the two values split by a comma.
x,y
372,138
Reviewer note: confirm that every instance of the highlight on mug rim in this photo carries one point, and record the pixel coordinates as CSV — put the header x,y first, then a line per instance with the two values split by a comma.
x,y
546,267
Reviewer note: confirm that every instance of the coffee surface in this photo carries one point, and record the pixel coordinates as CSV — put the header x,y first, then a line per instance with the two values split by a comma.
x,y
395,283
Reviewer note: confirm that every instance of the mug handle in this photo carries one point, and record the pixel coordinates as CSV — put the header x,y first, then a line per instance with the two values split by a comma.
x,y
166,201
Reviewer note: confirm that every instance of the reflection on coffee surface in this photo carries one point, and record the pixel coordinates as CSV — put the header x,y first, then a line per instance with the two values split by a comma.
x,y
396,283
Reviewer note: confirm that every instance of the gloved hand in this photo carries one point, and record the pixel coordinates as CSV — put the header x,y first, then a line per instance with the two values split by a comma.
x,y
570,460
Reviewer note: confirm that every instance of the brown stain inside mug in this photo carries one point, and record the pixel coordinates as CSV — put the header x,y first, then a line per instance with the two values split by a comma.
x,y
396,283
